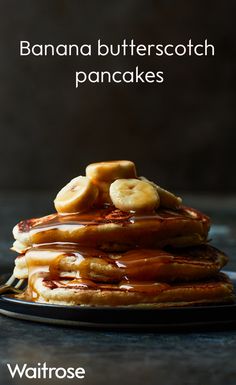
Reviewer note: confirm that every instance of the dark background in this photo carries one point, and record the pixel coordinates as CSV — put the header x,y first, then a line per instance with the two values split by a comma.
x,y
180,133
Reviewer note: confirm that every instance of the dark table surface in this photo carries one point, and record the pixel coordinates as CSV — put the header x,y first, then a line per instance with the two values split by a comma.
x,y
206,357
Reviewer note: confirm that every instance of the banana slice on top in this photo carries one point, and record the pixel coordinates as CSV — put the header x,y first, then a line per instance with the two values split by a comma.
x,y
134,195
103,196
167,199
109,171
78,195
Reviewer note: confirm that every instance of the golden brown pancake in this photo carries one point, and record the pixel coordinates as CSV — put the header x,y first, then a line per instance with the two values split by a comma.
x,y
112,229
64,260
148,294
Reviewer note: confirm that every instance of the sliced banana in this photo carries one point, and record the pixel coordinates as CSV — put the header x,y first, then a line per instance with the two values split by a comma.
x,y
167,199
134,195
109,171
78,195
104,195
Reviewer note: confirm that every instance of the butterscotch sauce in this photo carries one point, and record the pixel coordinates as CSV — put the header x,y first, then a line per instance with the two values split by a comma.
x,y
136,263
113,230
151,287
104,216
138,267
86,284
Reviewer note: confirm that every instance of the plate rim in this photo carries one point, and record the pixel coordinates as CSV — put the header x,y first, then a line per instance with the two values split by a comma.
x,y
7,298
122,326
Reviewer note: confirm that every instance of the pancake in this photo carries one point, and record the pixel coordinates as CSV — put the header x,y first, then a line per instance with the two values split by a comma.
x,y
64,260
119,240
111,229
84,292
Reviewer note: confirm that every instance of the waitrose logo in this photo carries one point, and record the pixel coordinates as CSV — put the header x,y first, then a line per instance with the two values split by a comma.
x,y
42,371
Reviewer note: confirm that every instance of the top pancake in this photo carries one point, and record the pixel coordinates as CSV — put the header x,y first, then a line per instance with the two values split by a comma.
x,y
112,229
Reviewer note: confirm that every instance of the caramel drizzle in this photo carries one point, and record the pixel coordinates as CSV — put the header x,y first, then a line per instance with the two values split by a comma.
x,y
104,216
130,286
138,267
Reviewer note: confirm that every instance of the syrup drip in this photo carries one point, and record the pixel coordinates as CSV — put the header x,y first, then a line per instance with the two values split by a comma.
x,y
137,267
112,229
86,284
105,216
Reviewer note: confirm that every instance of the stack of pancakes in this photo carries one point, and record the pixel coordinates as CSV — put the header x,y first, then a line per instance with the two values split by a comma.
x,y
120,240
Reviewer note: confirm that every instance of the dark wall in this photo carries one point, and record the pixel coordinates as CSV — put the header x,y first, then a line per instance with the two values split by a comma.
x,y
182,132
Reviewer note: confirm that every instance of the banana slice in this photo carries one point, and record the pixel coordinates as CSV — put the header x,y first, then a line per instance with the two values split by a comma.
x,y
103,196
134,195
110,171
167,199
78,195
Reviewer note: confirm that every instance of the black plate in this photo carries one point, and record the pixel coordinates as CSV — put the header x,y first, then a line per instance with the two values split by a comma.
x,y
185,318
